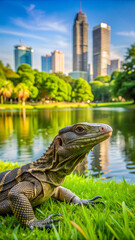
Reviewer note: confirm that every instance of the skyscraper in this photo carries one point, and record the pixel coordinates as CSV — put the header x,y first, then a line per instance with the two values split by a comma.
x,y
22,54
47,63
101,49
57,61
114,66
80,42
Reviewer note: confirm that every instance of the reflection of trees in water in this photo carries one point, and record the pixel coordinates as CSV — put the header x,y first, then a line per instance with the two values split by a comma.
x,y
35,129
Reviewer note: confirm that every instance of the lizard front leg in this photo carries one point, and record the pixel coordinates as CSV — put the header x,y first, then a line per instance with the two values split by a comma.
x,y
64,194
20,196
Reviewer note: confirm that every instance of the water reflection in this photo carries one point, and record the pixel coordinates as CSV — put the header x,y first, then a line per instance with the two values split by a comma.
x,y
26,134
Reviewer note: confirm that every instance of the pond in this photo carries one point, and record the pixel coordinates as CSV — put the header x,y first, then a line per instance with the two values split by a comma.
x,y
26,134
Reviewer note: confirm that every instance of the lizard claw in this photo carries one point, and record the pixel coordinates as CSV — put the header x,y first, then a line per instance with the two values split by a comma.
x,y
45,223
91,201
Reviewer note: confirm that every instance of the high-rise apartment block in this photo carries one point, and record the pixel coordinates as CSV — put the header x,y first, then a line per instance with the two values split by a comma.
x,y
22,54
46,62
101,49
57,61
80,42
53,62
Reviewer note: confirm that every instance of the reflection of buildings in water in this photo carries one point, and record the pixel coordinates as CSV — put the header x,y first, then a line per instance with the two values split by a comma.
x,y
81,167
104,160
100,158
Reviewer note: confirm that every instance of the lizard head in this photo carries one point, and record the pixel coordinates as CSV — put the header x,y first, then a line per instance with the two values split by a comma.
x,y
74,142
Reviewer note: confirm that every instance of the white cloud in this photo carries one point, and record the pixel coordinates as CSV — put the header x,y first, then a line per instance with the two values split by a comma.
x,y
62,43
22,34
127,34
39,21
117,51
30,8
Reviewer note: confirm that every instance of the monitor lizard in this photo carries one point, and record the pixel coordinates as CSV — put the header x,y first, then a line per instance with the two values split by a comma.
x,y
27,186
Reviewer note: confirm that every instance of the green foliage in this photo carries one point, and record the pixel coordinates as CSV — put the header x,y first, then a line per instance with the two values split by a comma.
x,y
124,84
103,79
114,221
96,89
2,71
67,79
50,86
40,78
33,92
82,91
24,68
27,78
114,75
101,90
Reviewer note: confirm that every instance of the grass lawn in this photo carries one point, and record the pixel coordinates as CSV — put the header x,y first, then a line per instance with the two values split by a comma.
x,y
114,104
114,221
67,105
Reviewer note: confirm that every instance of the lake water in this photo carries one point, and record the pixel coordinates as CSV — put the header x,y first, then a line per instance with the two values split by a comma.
x,y
26,134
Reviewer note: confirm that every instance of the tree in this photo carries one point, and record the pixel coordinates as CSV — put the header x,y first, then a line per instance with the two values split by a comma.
x,y
124,84
96,90
27,78
103,79
50,86
6,89
33,92
2,71
22,92
24,68
82,91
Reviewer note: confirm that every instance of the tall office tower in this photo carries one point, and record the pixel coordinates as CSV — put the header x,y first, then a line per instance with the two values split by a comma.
x,y
22,54
101,49
46,63
80,42
57,61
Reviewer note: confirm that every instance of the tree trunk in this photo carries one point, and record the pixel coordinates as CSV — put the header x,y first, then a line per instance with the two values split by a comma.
x,y
23,101
1,99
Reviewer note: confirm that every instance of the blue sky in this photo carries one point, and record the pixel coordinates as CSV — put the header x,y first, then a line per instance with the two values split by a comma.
x,y
47,25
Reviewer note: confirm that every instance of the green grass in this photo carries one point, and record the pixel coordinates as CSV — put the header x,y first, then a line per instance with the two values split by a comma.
x,y
42,106
67,105
114,104
114,221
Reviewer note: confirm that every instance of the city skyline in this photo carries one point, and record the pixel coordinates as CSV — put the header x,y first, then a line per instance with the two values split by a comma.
x,y
45,27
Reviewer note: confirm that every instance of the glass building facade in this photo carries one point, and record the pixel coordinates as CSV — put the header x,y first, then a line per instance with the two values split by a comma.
x,y
22,54
46,62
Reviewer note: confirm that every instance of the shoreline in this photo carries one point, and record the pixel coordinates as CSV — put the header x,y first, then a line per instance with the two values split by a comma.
x,y
128,105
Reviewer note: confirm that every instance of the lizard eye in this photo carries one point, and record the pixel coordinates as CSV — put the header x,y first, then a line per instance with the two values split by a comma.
x,y
79,129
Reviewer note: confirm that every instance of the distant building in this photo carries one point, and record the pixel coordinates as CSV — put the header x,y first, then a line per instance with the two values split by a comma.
x,y
46,62
89,73
80,42
57,61
114,66
101,49
79,74
22,54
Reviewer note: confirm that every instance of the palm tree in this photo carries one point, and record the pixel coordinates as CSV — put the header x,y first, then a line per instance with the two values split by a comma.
x,y
22,92
6,89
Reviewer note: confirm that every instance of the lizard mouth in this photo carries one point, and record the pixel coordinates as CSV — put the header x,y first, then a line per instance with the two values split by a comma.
x,y
110,133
